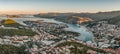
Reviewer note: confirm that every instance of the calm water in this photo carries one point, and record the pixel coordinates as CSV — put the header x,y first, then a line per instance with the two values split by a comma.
x,y
85,34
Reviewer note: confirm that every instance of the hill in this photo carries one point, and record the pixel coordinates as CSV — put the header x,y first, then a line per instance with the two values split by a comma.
x,y
74,19
8,30
10,23
13,16
67,17
114,20
100,15
79,48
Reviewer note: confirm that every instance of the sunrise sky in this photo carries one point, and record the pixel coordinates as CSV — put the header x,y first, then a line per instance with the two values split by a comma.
x,y
43,6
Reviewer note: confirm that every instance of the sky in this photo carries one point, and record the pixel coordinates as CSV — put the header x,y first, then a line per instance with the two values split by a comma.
x,y
43,6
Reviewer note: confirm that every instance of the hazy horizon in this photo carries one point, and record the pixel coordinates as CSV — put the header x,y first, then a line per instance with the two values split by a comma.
x,y
61,6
